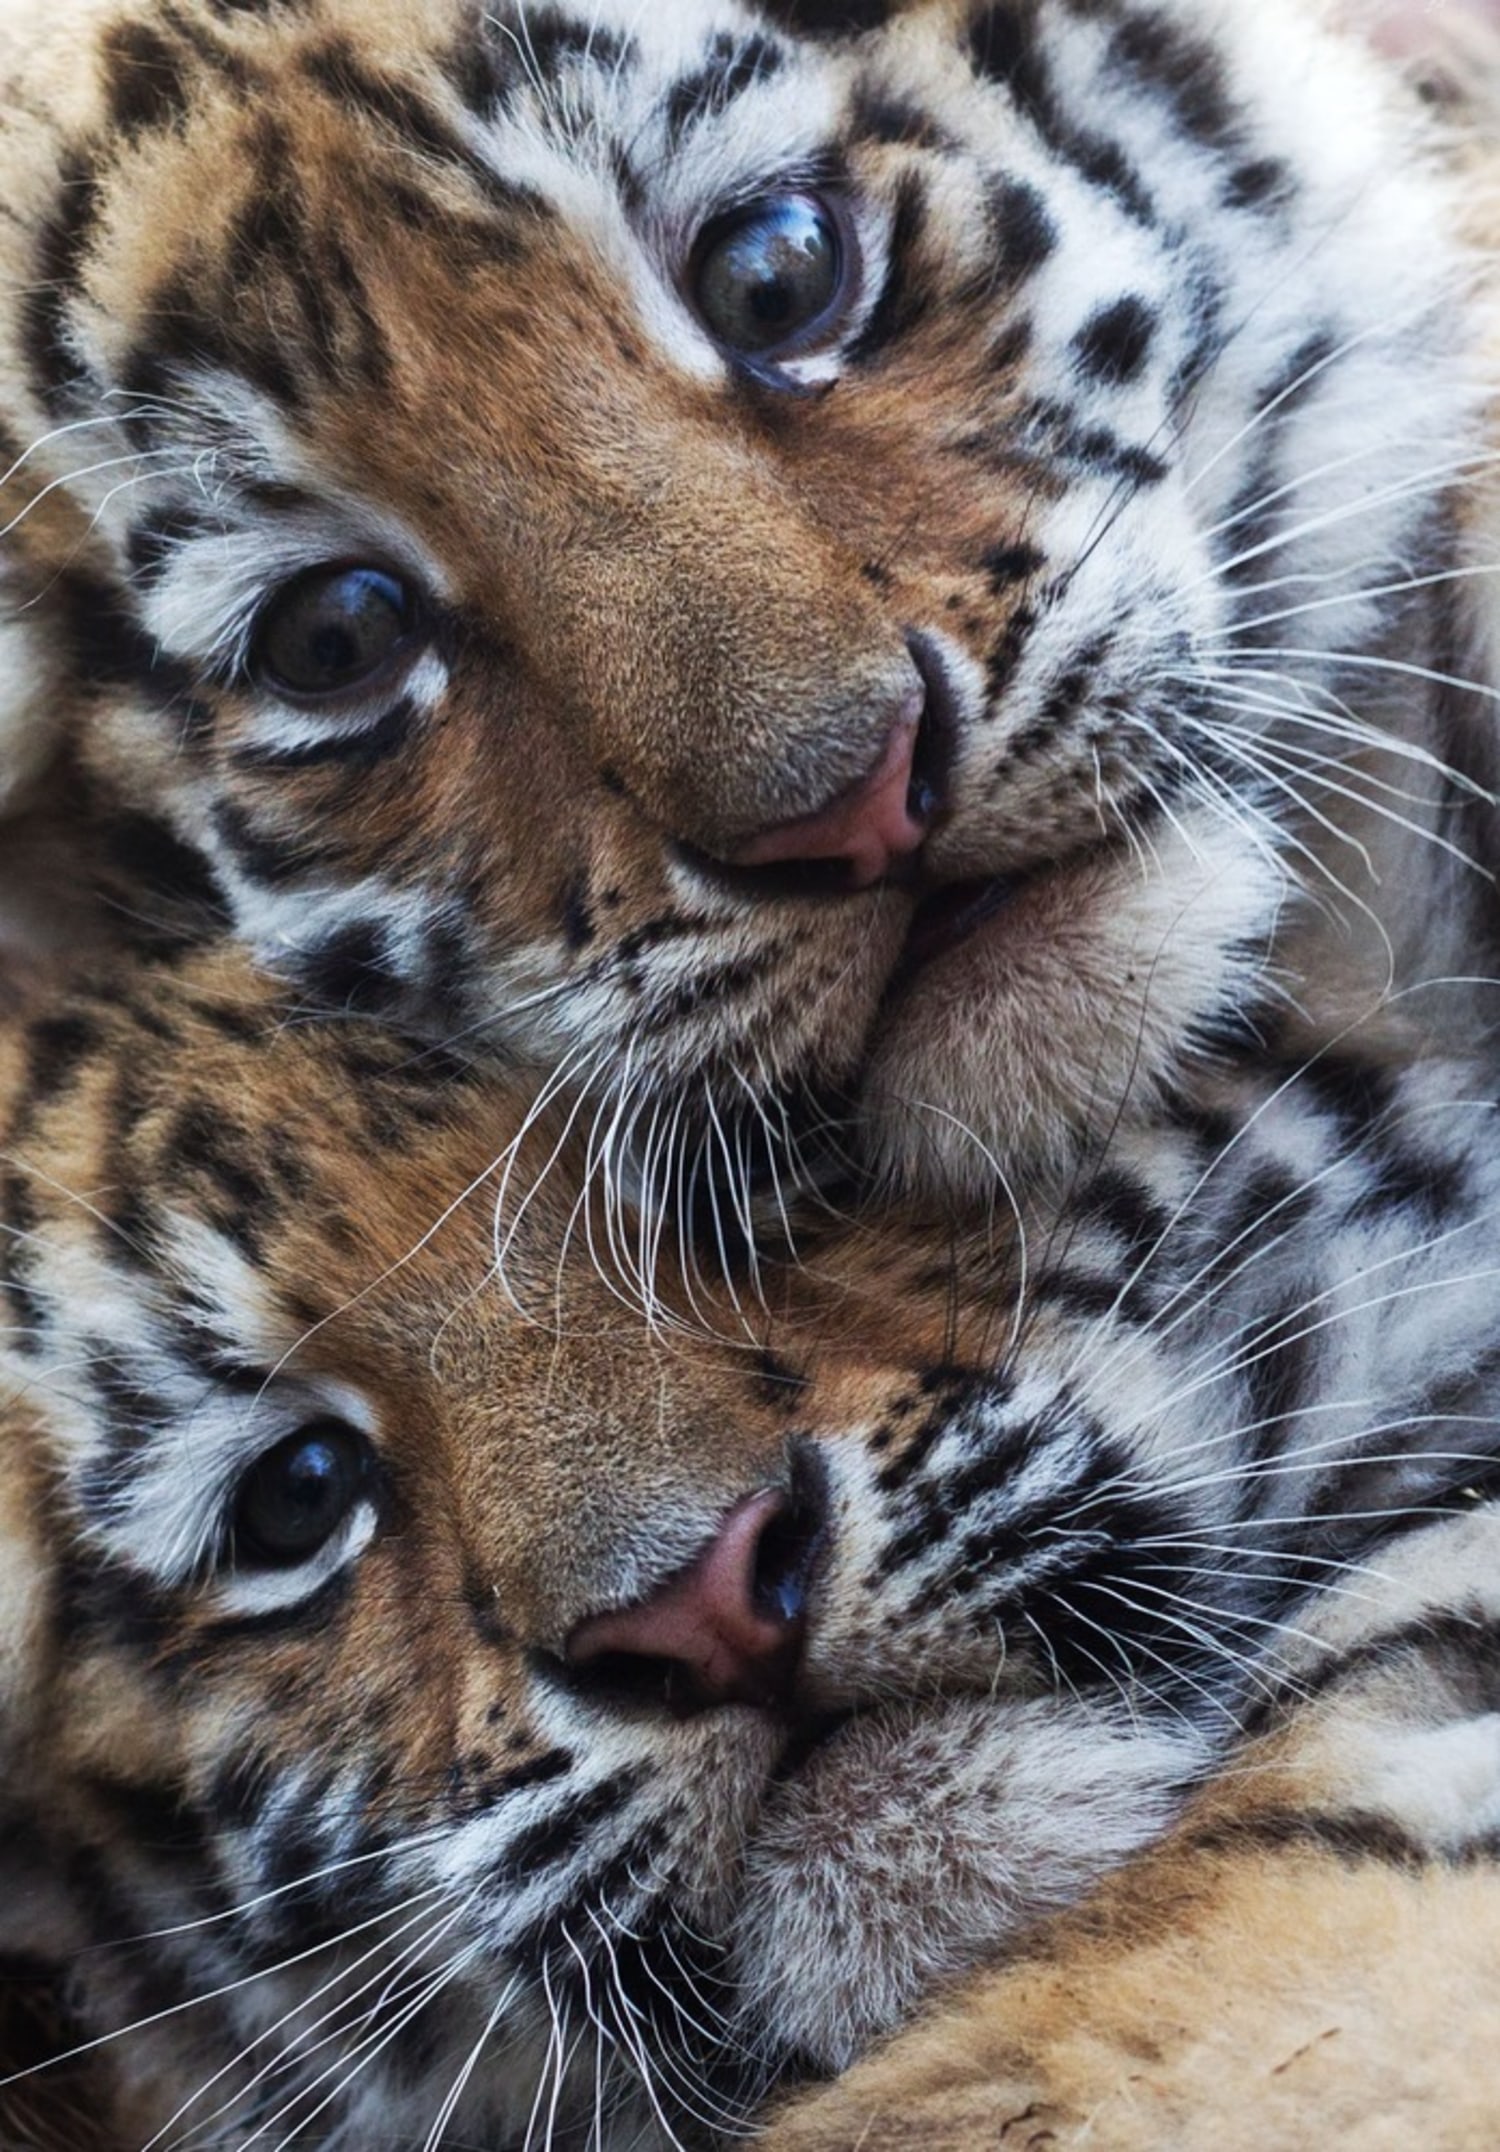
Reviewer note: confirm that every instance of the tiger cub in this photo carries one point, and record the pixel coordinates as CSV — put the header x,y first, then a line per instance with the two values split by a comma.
x,y
438,1706
920,557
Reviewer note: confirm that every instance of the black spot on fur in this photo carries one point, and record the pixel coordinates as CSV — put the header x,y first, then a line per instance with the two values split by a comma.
x,y
827,18
352,970
578,919
144,78
781,1385
879,115
1262,183
734,65
1115,342
1007,565
1024,233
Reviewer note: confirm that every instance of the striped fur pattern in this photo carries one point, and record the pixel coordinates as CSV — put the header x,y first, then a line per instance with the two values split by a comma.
x,y
1311,1956
1107,454
342,1845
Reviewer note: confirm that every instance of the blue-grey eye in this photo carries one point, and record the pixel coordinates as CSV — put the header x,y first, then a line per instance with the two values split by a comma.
x,y
766,279
294,1498
333,630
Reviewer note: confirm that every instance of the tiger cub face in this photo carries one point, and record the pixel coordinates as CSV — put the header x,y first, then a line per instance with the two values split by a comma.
x,y
721,550
432,1660
434,1695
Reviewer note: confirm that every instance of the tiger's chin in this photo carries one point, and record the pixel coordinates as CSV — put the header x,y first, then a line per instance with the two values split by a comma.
x,y
1083,996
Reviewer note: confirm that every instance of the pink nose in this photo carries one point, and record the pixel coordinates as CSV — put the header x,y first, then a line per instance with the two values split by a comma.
x,y
725,1630
870,826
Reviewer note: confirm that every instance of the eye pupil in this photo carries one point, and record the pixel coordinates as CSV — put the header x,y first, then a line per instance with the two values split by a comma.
x,y
295,1497
331,630
770,275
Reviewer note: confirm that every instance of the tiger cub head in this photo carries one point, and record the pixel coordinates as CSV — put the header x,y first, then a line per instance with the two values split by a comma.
x,y
434,1695
721,551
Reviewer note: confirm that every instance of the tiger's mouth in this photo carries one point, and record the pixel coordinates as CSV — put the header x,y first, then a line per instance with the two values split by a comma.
x,y
948,918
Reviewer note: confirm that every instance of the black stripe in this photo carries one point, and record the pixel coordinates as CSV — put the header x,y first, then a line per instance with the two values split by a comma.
x,y
262,855
944,1393
204,1144
401,109
555,39
152,1817
1353,1837
57,1048
57,276
1461,1644
554,1839
734,65
18,1221
358,751
1004,47
309,1618
904,300
1091,451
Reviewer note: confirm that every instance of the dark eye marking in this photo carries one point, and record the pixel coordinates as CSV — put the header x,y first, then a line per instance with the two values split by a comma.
x,y
294,1498
334,631
769,279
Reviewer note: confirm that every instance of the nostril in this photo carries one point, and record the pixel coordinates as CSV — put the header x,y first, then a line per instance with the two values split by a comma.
x,y
727,1628
784,1559
937,730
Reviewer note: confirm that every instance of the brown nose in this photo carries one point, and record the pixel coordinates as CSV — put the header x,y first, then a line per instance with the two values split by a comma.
x,y
725,1630
876,821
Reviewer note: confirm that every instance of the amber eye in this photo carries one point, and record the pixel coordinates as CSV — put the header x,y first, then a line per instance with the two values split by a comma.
x,y
333,630
294,1498
768,278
